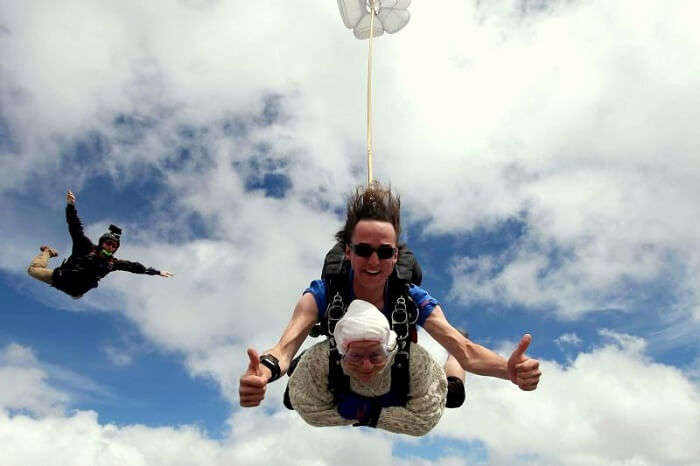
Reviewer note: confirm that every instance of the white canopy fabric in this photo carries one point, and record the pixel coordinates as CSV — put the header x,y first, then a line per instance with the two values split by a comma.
x,y
392,15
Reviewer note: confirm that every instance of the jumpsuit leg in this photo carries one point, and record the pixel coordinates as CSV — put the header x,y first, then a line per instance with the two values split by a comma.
x,y
38,268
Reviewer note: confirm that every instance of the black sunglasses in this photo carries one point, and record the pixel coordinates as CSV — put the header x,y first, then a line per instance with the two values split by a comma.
x,y
385,251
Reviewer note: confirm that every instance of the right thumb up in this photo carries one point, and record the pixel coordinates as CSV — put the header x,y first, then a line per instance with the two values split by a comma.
x,y
254,363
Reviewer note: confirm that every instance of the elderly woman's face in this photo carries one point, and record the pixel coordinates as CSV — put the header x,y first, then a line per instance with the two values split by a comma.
x,y
364,359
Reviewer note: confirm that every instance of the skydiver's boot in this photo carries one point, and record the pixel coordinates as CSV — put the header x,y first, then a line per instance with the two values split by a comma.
x,y
38,268
52,251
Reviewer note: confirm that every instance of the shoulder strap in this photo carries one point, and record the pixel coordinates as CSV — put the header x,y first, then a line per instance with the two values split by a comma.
x,y
338,382
333,264
335,275
407,266
404,316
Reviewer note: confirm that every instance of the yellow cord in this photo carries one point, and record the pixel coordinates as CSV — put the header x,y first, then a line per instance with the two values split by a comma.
x,y
369,96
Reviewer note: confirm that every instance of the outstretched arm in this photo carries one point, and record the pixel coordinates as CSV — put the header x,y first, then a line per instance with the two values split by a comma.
x,y
81,243
303,318
136,267
472,357
477,359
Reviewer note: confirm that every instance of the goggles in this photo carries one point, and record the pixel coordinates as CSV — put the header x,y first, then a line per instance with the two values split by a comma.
x,y
356,358
385,251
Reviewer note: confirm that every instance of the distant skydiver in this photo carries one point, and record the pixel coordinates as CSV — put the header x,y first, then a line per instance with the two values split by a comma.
x,y
88,263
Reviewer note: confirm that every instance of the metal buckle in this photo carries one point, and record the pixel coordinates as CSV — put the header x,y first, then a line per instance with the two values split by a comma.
x,y
335,311
399,317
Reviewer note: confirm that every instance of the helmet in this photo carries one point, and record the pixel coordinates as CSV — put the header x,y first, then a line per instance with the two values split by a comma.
x,y
114,234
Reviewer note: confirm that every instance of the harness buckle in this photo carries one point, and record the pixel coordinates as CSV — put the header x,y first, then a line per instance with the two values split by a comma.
x,y
399,318
335,311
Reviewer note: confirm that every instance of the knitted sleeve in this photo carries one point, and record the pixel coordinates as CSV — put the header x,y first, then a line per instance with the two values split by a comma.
x,y
427,395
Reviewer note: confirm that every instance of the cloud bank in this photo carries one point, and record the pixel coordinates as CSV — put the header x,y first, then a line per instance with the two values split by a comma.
x,y
573,119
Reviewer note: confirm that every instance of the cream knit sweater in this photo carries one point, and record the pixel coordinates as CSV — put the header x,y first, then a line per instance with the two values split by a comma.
x,y
308,391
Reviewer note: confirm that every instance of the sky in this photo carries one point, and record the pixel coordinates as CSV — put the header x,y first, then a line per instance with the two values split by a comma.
x,y
546,153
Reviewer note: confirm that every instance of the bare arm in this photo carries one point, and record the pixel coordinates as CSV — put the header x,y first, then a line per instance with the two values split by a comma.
x,y
303,318
520,369
472,357
253,383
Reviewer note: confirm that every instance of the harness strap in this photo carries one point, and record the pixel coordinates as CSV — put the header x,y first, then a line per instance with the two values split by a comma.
x,y
400,376
338,382
404,317
371,418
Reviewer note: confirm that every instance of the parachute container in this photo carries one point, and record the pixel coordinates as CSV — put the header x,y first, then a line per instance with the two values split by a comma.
x,y
391,16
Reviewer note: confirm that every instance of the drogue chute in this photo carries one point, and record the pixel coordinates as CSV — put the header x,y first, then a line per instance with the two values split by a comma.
x,y
390,16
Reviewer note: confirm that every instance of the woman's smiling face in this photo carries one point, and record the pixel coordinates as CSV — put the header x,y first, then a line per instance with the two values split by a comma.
x,y
371,273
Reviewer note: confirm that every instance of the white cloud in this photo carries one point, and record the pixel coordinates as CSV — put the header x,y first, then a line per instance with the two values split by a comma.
x,y
24,384
579,114
118,356
693,370
540,115
613,405
282,439
568,339
501,109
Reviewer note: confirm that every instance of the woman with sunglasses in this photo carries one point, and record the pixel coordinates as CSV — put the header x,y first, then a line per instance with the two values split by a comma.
x,y
370,236
368,348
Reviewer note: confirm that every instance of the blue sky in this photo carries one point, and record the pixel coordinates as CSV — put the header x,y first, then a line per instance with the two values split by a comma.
x,y
546,154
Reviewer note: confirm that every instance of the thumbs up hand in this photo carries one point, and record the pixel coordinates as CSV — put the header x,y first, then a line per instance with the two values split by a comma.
x,y
253,382
522,370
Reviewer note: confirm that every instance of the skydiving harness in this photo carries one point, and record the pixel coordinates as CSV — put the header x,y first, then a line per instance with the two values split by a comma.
x,y
403,319
75,264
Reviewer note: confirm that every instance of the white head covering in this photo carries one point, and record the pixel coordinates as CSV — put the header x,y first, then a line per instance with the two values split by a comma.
x,y
363,321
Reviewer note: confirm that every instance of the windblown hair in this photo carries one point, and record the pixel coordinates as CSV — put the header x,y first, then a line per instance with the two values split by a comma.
x,y
374,202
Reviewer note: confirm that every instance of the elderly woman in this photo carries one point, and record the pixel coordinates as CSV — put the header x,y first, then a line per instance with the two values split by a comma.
x,y
368,348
